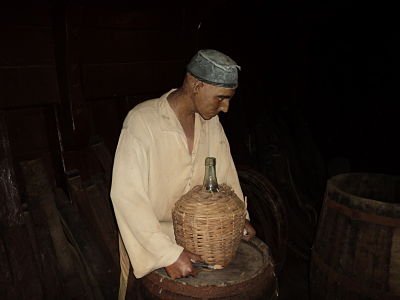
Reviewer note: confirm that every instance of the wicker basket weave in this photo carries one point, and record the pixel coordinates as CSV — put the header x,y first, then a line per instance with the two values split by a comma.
x,y
210,224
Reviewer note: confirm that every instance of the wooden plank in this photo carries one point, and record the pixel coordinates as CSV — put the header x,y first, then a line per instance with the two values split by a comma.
x,y
26,282
370,264
26,46
28,132
27,86
74,118
10,203
108,116
104,80
103,274
78,217
105,158
98,45
81,163
32,134
104,220
17,255
5,274
45,258
41,198
89,211
92,195
37,14
75,164
149,17
394,271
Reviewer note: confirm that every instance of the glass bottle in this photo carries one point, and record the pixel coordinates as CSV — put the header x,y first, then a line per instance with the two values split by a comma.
x,y
210,182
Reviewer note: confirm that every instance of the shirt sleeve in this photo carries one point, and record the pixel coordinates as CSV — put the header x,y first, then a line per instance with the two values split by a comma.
x,y
147,246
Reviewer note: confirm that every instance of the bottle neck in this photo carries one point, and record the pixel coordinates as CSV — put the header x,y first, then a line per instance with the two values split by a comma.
x,y
210,183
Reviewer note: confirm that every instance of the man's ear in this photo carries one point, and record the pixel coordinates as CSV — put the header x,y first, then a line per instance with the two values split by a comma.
x,y
197,85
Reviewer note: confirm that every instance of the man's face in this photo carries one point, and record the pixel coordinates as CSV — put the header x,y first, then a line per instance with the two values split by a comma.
x,y
210,100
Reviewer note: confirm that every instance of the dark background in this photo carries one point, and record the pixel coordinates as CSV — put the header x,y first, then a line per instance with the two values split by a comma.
x,y
334,62
317,96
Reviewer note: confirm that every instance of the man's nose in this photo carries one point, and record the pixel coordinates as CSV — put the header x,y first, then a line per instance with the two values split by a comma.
x,y
224,106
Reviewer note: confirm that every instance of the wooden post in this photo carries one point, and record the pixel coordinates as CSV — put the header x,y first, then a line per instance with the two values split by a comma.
x,y
75,119
40,195
19,274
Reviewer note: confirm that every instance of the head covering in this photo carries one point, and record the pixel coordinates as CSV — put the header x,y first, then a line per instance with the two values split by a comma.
x,y
214,67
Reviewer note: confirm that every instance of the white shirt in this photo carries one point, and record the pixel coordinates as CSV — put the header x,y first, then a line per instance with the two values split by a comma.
x,y
153,169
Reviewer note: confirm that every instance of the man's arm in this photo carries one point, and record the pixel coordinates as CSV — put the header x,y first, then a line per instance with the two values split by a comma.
x,y
148,247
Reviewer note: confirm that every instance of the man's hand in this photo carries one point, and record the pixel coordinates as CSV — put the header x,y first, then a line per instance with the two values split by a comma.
x,y
249,231
182,267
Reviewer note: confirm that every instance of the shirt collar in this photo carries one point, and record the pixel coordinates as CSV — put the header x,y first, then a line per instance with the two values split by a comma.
x,y
169,121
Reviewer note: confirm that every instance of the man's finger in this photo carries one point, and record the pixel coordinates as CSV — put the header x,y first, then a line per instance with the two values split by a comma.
x,y
195,258
194,272
173,275
246,237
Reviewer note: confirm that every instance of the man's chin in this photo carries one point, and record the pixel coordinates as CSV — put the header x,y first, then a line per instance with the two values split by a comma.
x,y
208,117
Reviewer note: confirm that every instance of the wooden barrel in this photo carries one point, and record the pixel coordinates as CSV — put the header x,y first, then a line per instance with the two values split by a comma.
x,y
356,253
250,275
267,213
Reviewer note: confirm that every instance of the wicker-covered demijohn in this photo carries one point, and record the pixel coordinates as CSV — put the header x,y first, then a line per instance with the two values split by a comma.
x,y
210,224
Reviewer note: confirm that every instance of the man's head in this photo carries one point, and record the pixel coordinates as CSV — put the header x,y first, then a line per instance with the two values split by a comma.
x,y
213,77
214,67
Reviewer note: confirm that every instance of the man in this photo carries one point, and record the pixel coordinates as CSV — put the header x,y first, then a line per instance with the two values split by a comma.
x,y
160,156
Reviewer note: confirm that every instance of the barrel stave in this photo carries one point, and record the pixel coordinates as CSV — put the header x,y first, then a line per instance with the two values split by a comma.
x,y
354,254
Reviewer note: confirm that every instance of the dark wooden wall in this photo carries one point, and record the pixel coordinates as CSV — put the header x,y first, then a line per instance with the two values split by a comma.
x,y
68,76
70,73
28,90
